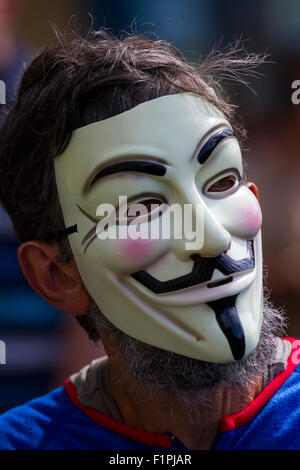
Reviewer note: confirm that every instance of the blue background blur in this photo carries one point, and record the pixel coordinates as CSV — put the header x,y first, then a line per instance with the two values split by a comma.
x,y
43,345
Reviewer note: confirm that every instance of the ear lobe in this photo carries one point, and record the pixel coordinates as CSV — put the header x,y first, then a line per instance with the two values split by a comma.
x,y
252,188
59,284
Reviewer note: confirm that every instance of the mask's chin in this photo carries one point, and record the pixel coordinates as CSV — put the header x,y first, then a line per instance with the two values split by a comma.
x,y
219,323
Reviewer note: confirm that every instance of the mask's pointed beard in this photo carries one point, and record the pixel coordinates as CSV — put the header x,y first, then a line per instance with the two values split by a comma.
x,y
229,321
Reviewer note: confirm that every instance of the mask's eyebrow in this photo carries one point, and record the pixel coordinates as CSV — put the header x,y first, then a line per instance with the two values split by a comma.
x,y
211,144
141,166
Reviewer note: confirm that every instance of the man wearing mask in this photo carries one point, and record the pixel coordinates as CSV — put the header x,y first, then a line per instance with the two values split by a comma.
x,y
194,358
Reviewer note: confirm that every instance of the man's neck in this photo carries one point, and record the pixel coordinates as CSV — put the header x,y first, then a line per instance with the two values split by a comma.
x,y
163,412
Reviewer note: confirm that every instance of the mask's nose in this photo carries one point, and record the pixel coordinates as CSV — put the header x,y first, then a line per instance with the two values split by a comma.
x,y
216,239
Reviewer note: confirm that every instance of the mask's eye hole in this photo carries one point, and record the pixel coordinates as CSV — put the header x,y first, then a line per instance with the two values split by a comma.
x,y
150,205
143,210
222,184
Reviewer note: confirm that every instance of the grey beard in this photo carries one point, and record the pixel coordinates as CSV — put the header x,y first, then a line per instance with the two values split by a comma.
x,y
190,381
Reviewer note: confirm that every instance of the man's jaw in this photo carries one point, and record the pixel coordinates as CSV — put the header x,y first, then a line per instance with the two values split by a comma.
x,y
155,369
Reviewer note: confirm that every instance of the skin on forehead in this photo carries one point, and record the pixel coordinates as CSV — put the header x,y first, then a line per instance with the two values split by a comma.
x,y
161,130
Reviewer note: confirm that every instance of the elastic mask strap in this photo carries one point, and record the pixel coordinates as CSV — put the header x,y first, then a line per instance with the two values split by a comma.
x,y
64,233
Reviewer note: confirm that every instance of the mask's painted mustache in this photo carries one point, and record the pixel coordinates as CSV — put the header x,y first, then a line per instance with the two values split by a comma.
x,y
202,272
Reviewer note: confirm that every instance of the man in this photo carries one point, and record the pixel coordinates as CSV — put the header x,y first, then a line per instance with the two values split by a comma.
x,y
194,360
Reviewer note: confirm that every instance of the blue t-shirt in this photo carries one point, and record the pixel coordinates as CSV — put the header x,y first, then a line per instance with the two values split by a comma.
x,y
59,421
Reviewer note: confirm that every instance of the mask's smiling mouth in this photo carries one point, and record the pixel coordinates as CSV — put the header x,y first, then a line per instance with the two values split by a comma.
x,y
210,285
201,273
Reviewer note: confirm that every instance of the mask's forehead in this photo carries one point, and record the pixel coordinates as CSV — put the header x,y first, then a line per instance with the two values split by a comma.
x,y
168,128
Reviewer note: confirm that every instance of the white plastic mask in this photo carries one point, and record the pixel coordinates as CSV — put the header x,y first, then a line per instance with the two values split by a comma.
x,y
205,303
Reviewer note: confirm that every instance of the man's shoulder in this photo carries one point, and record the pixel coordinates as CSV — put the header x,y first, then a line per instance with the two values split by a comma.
x,y
55,422
272,420
279,422
37,422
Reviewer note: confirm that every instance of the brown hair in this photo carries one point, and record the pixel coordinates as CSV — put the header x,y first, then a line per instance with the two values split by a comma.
x,y
79,80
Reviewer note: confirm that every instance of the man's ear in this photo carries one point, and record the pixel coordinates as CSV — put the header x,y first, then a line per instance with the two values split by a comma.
x,y
252,188
60,284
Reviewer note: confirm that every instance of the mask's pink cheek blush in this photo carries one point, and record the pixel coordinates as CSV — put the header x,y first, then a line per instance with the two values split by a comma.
x,y
252,220
136,250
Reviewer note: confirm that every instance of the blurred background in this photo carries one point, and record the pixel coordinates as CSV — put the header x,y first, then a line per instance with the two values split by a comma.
x,y
43,345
